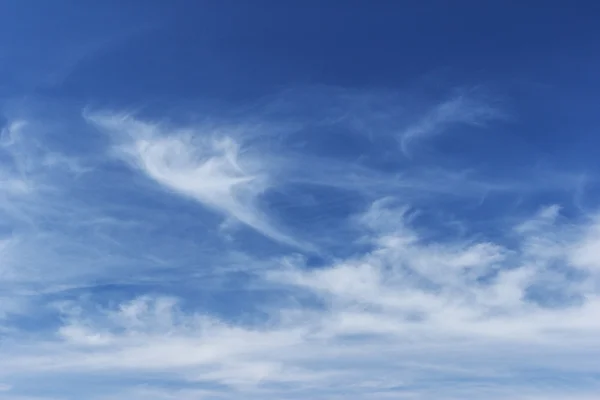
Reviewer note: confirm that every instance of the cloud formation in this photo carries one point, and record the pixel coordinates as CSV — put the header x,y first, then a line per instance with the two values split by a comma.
x,y
402,315
463,109
419,288
210,167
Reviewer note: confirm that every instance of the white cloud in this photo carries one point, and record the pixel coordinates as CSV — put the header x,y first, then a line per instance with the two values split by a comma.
x,y
210,167
401,312
444,310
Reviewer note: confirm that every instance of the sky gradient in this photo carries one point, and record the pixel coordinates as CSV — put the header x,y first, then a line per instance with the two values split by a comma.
x,y
268,200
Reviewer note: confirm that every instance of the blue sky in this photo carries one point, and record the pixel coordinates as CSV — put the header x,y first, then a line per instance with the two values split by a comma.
x,y
217,200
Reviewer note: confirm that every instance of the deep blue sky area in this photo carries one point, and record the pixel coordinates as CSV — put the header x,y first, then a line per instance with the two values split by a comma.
x,y
542,55
261,199
235,50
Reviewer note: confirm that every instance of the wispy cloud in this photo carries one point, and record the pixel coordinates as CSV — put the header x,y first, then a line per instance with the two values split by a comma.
x,y
210,167
137,288
465,109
